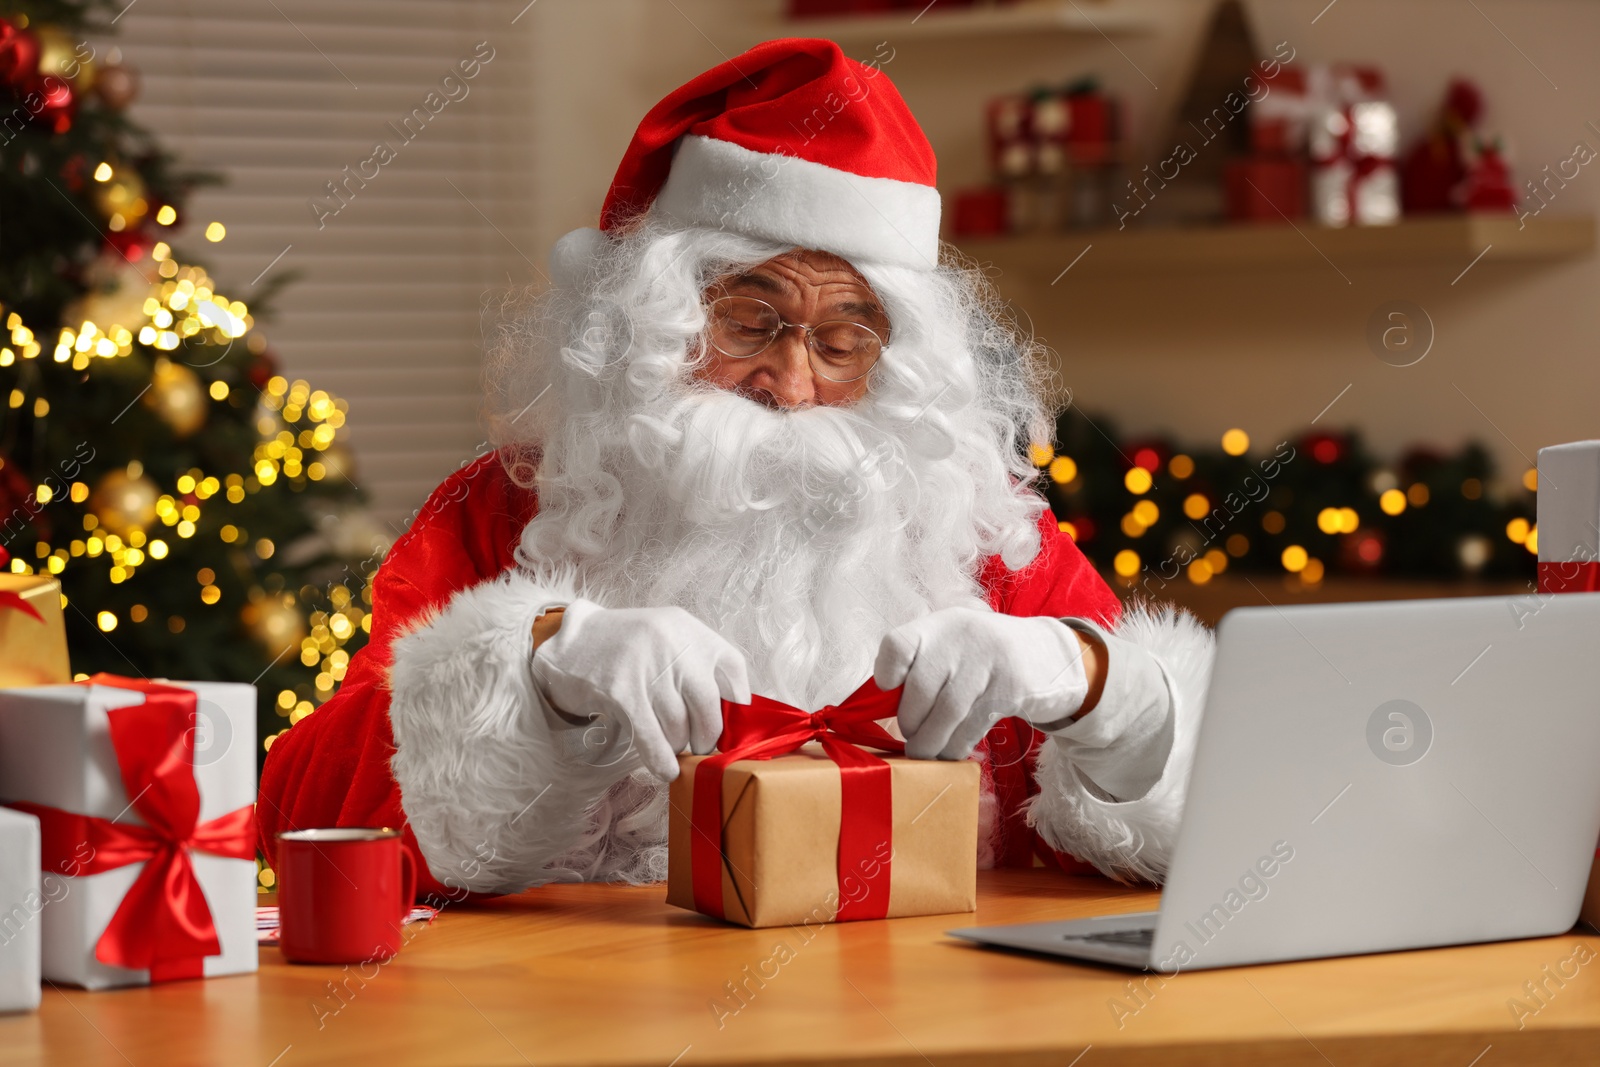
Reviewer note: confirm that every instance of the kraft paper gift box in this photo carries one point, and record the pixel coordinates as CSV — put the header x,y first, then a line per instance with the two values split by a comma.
x,y
20,905
67,753
33,638
781,821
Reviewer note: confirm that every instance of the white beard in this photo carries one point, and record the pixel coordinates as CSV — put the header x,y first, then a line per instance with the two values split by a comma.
x,y
802,537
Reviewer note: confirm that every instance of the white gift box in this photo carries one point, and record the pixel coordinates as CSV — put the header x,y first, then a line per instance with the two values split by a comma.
x,y
56,751
20,907
1569,515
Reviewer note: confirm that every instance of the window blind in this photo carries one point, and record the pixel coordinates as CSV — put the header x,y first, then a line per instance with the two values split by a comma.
x,y
381,150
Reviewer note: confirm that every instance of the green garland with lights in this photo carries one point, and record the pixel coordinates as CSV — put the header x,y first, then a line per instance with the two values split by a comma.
x,y
1149,512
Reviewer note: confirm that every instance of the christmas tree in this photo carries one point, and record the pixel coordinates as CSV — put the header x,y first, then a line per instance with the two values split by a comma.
x,y
196,506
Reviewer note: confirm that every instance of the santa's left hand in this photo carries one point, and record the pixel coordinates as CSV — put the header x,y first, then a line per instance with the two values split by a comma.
x,y
964,669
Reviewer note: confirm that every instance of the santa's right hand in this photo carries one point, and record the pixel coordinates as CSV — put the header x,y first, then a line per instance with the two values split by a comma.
x,y
645,680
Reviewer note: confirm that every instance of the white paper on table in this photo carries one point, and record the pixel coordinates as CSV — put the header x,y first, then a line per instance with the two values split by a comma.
x,y
55,750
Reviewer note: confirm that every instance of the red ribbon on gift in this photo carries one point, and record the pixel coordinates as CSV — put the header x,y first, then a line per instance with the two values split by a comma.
x,y
12,599
1571,577
163,924
765,728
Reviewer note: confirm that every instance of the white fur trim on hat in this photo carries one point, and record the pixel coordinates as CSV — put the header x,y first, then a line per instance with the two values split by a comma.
x,y
574,255
782,198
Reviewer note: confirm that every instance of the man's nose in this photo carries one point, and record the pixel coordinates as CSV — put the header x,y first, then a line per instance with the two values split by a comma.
x,y
790,383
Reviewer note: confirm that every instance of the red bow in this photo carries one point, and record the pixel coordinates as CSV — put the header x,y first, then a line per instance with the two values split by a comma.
x,y
163,924
1576,576
765,728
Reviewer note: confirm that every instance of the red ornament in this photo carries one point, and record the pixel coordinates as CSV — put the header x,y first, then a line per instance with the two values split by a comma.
x,y
19,57
60,104
262,370
1362,550
1149,455
1325,447
75,174
131,245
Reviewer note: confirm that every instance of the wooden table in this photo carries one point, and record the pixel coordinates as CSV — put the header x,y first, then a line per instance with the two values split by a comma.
x,y
599,974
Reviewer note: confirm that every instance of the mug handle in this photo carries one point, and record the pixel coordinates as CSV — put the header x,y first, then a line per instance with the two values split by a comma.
x,y
408,883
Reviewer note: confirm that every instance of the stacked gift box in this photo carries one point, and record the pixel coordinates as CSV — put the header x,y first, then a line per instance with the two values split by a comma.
x,y
1054,154
127,836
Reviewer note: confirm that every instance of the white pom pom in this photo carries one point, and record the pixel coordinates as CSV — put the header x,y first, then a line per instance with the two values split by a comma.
x,y
574,254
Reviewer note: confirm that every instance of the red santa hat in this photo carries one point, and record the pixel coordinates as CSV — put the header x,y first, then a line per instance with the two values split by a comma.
x,y
794,142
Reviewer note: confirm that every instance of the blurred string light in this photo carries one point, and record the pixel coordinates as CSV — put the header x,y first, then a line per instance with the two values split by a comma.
x,y
123,532
1172,525
185,306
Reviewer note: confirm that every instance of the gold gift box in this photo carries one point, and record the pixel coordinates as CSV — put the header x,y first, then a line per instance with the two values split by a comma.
x,y
780,827
32,652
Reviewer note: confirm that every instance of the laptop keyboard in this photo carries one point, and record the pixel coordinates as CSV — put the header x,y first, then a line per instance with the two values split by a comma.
x,y
1140,938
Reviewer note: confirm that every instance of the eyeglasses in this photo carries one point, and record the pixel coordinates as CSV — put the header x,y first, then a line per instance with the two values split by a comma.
x,y
743,326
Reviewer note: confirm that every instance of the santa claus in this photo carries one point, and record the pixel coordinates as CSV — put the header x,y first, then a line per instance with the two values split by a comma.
x,y
759,436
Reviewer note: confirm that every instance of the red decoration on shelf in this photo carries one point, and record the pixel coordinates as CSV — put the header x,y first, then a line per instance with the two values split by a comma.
x,y
981,212
1270,185
1437,164
1265,189
1488,183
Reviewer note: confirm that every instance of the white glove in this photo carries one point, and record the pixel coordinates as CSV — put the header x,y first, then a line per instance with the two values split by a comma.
x,y
644,679
964,669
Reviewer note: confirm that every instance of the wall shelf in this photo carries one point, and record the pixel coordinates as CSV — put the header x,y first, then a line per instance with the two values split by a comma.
x,y
1453,240
1028,17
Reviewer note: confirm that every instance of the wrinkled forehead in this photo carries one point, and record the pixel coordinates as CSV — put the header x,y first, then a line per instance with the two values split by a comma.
x,y
806,274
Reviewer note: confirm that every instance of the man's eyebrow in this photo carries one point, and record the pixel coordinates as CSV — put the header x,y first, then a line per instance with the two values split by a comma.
x,y
766,283
860,308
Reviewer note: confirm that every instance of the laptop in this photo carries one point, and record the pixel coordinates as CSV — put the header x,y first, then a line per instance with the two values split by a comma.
x,y
1370,778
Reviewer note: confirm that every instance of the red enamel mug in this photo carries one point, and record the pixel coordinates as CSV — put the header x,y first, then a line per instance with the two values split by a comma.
x,y
343,894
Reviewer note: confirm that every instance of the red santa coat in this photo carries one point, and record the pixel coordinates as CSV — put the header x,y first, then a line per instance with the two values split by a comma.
x,y
333,767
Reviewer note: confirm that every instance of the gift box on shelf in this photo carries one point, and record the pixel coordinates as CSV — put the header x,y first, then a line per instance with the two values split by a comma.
x,y
20,905
144,792
33,638
796,822
1569,518
1353,140
981,212
1265,189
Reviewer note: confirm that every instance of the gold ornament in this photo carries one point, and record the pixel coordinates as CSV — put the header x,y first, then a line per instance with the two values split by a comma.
x,y
119,290
58,55
123,194
124,503
117,86
273,622
337,461
177,396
